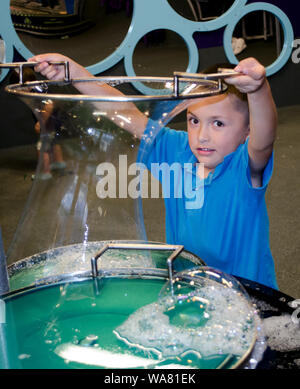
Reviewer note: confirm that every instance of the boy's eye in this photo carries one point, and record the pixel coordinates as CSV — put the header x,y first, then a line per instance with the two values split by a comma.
x,y
193,120
218,123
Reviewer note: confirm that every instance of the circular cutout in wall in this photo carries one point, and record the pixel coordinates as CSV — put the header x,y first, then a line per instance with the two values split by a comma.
x,y
258,34
159,53
79,31
201,10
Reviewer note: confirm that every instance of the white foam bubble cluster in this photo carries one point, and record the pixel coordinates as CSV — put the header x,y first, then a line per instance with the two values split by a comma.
x,y
77,258
225,325
282,333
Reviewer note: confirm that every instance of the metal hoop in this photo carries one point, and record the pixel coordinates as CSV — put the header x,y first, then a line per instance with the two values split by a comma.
x,y
158,14
212,85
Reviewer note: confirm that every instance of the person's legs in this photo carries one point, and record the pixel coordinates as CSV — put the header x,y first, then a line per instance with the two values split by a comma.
x,y
58,159
44,173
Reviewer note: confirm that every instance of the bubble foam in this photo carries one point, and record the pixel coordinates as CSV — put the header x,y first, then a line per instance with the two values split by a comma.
x,y
282,333
211,321
75,258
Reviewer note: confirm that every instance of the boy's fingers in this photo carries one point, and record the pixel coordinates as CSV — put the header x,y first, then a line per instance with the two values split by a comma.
x,y
45,69
257,73
244,84
38,58
41,58
239,80
40,66
254,70
52,74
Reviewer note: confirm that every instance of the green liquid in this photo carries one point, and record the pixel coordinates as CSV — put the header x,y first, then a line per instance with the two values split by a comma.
x,y
69,259
53,327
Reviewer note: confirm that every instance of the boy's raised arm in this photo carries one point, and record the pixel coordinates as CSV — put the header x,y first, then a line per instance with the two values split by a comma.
x,y
138,121
262,113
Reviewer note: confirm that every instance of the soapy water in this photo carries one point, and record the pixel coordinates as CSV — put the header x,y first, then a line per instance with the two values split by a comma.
x,y
173,333
211,320
76,259
79,259
211,326
282,333
207,318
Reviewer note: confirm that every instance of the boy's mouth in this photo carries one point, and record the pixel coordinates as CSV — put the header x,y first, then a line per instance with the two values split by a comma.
x,y
204,150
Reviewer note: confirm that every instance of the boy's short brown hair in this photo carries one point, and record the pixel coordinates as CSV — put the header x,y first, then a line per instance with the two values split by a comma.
x,y
241,100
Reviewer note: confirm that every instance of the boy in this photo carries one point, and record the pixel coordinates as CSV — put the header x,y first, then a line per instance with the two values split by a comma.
x,y
233,141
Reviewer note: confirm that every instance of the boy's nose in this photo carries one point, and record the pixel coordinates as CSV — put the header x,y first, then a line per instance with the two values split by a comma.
x,y
203,134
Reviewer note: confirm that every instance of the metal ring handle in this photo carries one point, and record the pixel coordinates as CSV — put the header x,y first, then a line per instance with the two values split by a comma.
x,y
177,249
211,87
21,65
222,73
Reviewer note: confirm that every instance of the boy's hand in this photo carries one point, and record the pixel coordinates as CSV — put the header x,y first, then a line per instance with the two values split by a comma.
x,y
252,77
57,72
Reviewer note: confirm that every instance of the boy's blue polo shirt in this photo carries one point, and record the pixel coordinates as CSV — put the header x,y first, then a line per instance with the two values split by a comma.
x,y
230,231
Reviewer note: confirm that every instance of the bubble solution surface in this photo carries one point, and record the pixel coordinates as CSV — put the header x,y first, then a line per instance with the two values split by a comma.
x,y
139,322
202,318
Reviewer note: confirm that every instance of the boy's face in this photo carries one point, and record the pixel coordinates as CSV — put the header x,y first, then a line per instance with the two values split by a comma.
x,y
216,127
